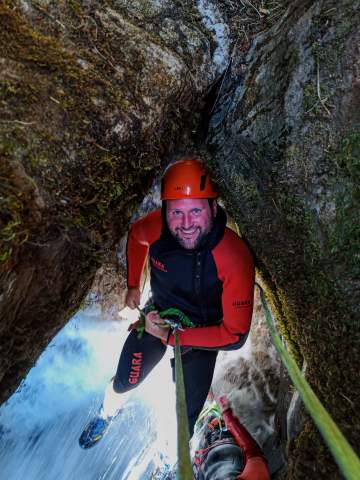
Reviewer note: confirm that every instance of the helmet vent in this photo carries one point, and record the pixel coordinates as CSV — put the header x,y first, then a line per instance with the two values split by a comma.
x,y
202,182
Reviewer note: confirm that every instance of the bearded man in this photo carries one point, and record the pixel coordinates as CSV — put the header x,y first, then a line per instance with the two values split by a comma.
x,y
198,266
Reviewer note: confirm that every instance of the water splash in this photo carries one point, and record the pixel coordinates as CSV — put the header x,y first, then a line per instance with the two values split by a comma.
x,y
40,424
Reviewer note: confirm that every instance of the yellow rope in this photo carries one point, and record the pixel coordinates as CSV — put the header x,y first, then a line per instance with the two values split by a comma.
x,y
184,470
341,450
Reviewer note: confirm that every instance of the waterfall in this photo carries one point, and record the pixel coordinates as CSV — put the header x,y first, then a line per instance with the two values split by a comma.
x,y
41,423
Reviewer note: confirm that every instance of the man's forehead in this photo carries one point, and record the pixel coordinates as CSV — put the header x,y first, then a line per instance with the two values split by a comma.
x,y
187,203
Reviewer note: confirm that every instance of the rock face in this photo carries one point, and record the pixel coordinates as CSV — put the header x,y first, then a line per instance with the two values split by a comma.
x,y
285,143
251,378
93,96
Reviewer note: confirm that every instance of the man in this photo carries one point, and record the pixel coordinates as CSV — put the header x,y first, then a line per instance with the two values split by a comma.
x,y
198,266
225,448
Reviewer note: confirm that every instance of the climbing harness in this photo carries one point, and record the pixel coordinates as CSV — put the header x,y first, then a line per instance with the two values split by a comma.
x,y
341,450
173,318
212,409
213,433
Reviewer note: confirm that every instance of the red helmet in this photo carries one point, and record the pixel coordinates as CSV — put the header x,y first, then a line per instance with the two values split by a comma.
x,y
187,178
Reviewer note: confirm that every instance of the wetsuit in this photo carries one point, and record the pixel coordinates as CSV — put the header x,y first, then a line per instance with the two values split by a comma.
x,y
212,284
228,452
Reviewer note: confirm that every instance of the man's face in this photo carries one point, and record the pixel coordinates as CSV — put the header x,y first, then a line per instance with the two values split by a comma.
x,y
189,220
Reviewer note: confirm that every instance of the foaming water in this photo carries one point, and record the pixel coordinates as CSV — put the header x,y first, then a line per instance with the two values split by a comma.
x,y
41,423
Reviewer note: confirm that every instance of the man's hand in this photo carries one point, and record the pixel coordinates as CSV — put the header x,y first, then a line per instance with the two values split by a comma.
x,y
152,322
132,299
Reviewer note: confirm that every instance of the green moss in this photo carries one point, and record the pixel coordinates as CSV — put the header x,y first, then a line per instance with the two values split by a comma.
x,y
345,234
330,31
87,182
348,156
13,233
336,24
322,314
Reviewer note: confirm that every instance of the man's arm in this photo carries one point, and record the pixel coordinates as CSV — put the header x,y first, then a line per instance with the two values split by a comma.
x,y
256,465
236,270
141,234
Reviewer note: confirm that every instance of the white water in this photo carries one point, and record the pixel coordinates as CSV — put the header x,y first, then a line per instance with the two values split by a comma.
x,y
213,21
41,423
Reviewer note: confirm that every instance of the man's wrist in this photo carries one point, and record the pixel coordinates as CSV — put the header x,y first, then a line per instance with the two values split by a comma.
x,y
132,298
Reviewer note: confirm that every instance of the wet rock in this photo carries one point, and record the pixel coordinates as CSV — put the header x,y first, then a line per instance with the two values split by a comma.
x,y
284,139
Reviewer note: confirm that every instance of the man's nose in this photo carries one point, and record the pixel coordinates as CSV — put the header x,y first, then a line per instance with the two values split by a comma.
x,y
187,221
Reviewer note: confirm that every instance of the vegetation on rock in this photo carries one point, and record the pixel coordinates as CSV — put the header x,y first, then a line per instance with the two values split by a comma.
x,y
283,152
96,95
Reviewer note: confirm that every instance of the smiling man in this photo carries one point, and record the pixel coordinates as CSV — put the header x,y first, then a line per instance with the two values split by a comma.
x,y
189,220
198,266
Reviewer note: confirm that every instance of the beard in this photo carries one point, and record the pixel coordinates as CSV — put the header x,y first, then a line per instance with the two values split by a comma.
x,y
195,240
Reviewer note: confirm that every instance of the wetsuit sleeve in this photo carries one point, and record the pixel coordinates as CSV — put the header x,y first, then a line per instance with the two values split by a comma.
x,y
256,465
235,268
142,234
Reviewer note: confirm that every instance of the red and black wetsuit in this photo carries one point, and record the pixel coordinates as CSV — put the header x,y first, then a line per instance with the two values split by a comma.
x,y
212,284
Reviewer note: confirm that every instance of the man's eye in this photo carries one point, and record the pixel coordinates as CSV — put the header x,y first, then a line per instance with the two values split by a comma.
x,y
196,211
176,213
